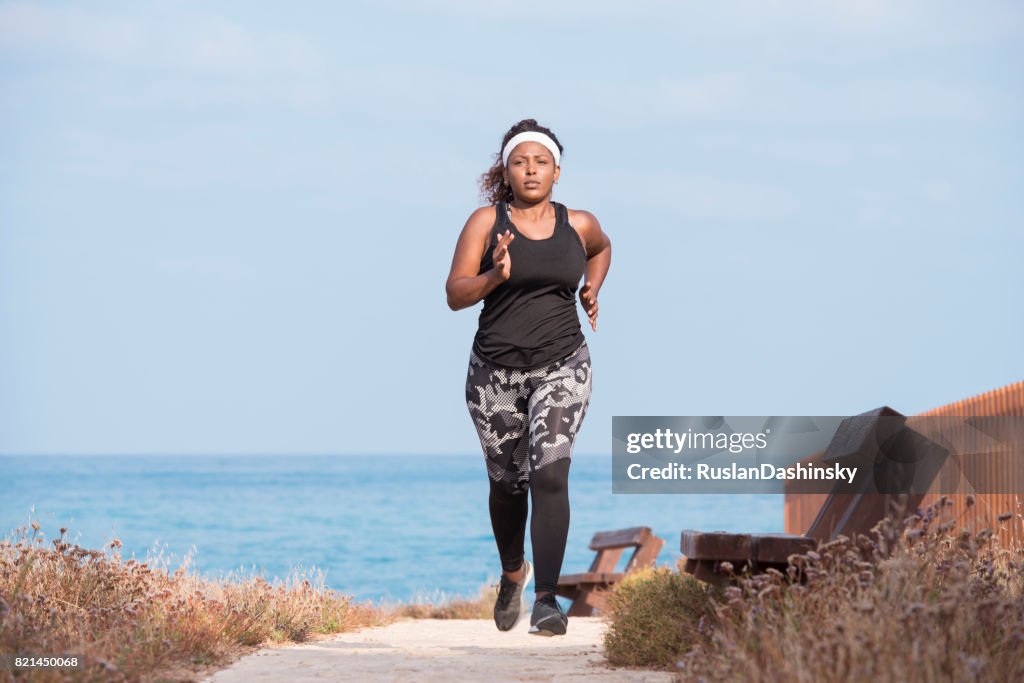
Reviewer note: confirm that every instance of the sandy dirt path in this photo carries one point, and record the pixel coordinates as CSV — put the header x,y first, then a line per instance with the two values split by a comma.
x,y
439,650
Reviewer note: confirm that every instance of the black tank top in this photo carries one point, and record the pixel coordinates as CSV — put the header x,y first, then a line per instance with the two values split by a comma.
x,y
530,320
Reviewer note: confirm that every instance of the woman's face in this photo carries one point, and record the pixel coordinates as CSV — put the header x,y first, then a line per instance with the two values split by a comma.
x,y
531,171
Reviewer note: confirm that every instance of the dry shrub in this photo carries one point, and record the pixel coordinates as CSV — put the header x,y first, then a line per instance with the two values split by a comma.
x,y
918,600
131,620
655,614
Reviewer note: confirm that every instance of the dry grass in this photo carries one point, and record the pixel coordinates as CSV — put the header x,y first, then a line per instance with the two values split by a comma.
x,y
439,606
136,621
919,600
140,621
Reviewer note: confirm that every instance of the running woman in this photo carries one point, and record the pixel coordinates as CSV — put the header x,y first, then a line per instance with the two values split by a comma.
x,y
528,383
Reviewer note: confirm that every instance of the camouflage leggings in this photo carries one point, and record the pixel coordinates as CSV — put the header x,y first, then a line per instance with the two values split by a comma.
x,y
527,419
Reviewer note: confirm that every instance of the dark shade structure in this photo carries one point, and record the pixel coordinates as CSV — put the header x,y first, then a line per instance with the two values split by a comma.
x,y
990,469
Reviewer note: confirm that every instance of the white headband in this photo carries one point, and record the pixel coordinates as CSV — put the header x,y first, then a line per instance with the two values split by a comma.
x,y
529,136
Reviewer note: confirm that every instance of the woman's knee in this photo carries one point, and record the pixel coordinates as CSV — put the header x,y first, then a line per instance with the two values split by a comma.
x,y
552,479
506,491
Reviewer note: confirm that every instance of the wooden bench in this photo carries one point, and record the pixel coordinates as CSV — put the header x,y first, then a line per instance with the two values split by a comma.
x,y
862,440
588,590
705,552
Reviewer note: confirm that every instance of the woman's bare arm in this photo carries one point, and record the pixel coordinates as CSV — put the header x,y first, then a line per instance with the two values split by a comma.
x,y
599,258
466,285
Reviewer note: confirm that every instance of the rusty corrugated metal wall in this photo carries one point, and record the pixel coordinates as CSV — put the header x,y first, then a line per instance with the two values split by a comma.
x,y
1004,466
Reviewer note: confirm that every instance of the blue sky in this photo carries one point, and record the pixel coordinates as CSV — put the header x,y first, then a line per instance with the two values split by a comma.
x,y
225,227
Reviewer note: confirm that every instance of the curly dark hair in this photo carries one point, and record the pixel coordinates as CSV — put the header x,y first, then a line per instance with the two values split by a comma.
x,y
492,183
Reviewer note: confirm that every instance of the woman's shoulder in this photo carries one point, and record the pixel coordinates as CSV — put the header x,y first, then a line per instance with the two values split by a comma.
x,y
484,215
482,220
588,228
582,220
481,223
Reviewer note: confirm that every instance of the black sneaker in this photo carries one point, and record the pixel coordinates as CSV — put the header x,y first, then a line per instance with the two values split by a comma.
x,y
548,619
511,602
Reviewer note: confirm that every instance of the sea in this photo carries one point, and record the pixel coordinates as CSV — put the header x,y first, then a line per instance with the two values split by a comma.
x,y
384,529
